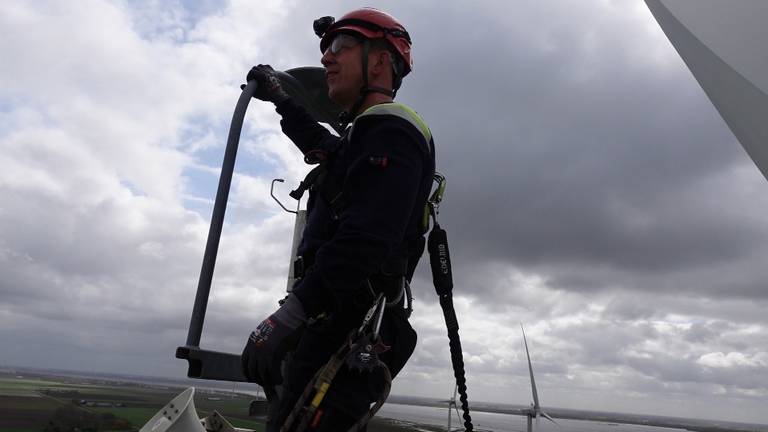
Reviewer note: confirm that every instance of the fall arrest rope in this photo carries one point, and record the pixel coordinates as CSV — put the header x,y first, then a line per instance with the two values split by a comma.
x,y
442,278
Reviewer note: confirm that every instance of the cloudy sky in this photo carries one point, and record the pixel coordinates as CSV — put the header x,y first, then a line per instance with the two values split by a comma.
x,y
594,195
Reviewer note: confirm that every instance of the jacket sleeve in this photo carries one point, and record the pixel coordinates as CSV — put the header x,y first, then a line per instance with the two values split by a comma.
x,y
380,193
304,130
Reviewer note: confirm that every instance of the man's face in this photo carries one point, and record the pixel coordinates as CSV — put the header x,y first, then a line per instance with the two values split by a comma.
x,y
343,69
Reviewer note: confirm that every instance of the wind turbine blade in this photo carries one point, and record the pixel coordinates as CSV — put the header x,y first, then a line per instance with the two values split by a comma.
x,y
536,426
729,65
455,389
530,370
548,417
458,416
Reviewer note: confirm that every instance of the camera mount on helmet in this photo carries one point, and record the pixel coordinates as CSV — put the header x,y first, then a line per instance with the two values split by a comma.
x,y
322,24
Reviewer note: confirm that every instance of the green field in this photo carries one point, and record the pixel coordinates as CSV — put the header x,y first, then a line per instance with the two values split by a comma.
x,y
26,412
31,403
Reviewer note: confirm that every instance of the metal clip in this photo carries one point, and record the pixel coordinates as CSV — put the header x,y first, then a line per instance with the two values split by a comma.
x,y
374,313
272,194
366,345
437,196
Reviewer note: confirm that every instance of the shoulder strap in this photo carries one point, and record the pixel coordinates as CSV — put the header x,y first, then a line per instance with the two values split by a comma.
x,y
398,110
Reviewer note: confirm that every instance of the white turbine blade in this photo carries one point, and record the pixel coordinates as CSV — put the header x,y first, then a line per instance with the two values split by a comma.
x,y
536,426
530,370
730,66
548,417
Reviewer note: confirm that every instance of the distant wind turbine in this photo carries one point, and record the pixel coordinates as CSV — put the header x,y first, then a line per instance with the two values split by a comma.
x,y
534,412
452,403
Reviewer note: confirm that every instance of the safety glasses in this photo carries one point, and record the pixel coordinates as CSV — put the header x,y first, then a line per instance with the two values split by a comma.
x,y
340,42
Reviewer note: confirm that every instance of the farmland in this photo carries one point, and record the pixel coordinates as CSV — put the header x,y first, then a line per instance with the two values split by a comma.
x,y
36,403
41,402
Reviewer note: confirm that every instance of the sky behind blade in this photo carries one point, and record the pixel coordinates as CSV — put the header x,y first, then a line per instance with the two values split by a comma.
x,y
724,46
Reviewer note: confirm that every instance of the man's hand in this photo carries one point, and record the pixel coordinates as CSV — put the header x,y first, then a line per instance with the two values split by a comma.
x,y
270,342
269,84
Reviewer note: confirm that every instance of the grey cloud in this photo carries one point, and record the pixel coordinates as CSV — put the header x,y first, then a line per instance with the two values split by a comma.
x,y
593,191
600,172
705,332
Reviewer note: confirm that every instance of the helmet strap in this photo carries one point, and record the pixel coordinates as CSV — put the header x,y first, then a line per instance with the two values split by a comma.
x,y
382,90
347,117
397,80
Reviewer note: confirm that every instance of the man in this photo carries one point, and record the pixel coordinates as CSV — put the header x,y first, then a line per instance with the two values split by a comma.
x,y
364,232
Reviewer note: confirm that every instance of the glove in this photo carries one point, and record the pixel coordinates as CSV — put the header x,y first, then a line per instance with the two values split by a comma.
x,y
270,342
269,89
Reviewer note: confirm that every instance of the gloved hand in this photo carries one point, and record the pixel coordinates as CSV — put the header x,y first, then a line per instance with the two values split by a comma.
x,y
269,84
270,342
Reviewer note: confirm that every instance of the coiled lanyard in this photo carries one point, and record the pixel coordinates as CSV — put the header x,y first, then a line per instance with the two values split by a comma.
x,y
442,277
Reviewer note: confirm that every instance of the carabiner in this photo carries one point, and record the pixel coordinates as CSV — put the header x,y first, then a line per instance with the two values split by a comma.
x,y
437,196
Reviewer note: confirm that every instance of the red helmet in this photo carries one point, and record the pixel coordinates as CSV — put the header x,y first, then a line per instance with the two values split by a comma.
x,y
372,24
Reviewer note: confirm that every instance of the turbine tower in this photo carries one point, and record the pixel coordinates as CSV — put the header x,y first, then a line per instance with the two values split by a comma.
x,y
534,412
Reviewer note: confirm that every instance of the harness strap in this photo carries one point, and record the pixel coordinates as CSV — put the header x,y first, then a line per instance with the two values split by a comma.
x,y
315,176
404,112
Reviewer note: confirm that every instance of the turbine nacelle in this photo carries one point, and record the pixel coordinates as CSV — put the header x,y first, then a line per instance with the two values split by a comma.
x,y
180,415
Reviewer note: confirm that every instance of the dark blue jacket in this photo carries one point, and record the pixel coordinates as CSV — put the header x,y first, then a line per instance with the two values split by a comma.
x,y
365,216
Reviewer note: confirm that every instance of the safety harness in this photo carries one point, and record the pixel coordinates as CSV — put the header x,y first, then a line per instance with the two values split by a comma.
x,y
360,353
361,349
